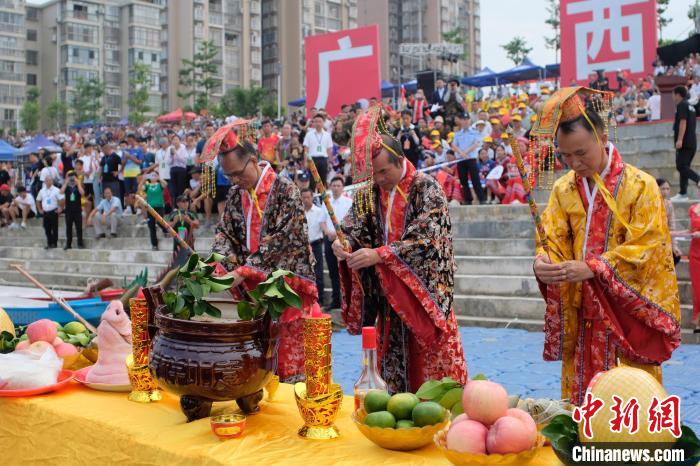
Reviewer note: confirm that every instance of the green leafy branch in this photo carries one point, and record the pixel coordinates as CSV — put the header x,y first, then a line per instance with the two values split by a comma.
x,y
195,281
273,295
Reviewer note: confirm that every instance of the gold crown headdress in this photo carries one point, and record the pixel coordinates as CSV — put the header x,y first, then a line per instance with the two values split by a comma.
x,y
564,105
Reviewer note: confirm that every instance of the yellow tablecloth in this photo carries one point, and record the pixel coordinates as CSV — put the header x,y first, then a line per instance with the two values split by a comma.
x,y
79,426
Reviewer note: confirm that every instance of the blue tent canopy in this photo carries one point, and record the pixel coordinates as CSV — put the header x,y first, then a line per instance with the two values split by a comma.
x,y
86,124
38,143
485,77
7,152
298,102
552,71
526,71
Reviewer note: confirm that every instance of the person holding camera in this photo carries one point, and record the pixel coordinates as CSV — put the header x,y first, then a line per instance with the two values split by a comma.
x,y
72,193
409,139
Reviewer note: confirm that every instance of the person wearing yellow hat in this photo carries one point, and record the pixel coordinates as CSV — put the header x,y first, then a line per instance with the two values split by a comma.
x,y
517,125
522,105
502,111
606,273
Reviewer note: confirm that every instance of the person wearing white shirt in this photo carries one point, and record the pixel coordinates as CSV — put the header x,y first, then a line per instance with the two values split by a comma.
x,y
341,206
49,172
162,160
178,167
318,145
654,104
91,168
49,196
315,219
23,205
109,210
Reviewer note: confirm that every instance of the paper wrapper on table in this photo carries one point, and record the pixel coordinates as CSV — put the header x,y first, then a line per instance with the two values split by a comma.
x,y
144,387
317,355
139,330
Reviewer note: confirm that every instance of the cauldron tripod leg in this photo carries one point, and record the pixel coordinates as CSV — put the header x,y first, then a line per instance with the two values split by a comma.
x,y
249,404
194,407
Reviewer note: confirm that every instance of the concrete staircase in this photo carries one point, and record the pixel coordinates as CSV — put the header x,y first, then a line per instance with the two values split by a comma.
x,y
494,249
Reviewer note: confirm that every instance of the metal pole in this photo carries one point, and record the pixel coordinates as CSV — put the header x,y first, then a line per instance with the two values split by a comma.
x,y
279,91
420,33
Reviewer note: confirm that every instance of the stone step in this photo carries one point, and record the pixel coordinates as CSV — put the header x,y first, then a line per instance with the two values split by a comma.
x,y
94,255
493,246
523,285
114,244
93,269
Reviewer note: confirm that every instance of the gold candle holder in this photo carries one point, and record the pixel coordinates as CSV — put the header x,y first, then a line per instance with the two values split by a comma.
x,y
317,355
318,399
319,413
144,388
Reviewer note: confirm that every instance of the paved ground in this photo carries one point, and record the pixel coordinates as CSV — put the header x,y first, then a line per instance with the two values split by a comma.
x,y
514,359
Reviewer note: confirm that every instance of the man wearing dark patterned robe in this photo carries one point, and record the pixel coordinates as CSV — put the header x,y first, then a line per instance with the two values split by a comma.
x,y
264,229
400,273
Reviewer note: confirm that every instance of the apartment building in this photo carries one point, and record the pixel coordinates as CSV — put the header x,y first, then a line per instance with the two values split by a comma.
x,y
423,21
12,61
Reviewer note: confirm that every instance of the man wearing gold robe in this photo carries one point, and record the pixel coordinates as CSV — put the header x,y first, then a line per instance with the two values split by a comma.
x,y
607,277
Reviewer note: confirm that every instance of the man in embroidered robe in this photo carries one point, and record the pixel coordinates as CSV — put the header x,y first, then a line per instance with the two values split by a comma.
x,y
398,272
608,280
264,229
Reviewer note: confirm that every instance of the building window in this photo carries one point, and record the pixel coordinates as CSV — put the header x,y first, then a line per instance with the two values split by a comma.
x,y
32,14
32,57
31,35
31,80
9,114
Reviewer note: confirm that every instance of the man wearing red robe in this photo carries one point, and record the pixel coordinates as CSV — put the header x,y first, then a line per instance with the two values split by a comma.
x,y
263,229
398,274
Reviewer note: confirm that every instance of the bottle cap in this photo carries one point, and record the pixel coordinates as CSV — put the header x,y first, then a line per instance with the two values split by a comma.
x,y
369,338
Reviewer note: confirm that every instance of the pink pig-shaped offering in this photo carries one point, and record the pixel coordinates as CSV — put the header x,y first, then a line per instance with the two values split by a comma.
x,y
114,343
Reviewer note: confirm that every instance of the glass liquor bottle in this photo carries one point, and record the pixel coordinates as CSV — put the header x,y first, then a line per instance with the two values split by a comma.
x,y
370,378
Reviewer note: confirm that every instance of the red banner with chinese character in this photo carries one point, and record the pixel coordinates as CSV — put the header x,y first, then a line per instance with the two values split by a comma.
x,y
341,68
608,35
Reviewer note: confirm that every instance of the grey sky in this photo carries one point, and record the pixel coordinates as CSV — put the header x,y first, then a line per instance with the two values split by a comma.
x,y
501,20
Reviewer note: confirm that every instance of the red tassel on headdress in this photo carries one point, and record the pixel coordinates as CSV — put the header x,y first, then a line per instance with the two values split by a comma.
x,y
223,140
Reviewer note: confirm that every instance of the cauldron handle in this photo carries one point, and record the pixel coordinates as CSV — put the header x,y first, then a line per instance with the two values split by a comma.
x,y
154,299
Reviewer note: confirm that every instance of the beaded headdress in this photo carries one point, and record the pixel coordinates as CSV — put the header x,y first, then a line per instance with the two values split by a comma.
x,y
367,143
565,104
224,140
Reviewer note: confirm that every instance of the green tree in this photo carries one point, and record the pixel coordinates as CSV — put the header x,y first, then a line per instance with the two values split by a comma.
x,y
199,77
661,7
244,102
517,50
57,113
139,83
694,14
29,115
552,21
453,36
86,101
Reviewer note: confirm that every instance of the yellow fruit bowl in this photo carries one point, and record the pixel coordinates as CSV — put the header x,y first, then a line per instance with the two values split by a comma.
x,y
480,459
398,439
